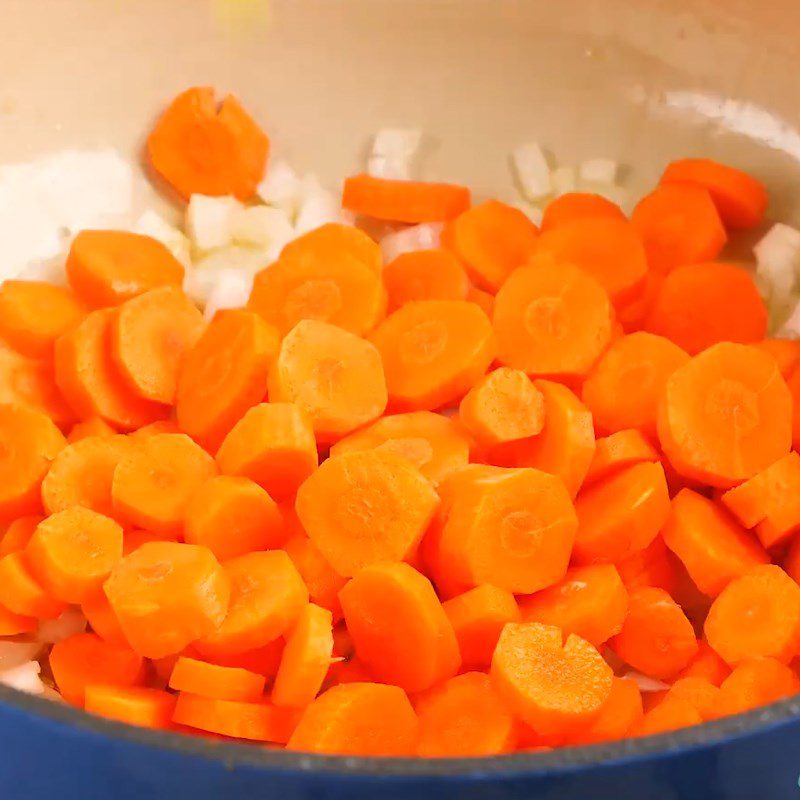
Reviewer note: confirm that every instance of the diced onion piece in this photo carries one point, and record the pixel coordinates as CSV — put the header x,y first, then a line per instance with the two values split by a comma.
x,y
317,206
564,180
532,212
152,224
392,153
209,220
12,654
790,328
780,245
394,169
281,187
69,623
426,236
24,678
200,282
613,192
231,290
645,682
532,171
598,170
262,226
50,270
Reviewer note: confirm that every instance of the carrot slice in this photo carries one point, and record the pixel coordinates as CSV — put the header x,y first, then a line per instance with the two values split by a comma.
x,y
679,225
404,201
656,637
556,687
758,682
706,664
725,416
399,628
624,388
154,482
166,595
424,275
590,602
201,148
72,552
334,376
654,566
134,705
360,508
272,444
263,660
606,248
702,695
102,619
668,715
91,427
433,351
34,314
552,321
491,239
786,353
576,206
305,659
12,624
712,547
619,451
478,617
621,712
212,680
364,719
482,299
633,314
267,597
756,615
337,240
463,717
85,659
18,534
621,514
224,374
324,584
699,305
160,426
740,199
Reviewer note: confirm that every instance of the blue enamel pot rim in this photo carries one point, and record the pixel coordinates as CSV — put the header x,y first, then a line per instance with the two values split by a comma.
x,y
569,759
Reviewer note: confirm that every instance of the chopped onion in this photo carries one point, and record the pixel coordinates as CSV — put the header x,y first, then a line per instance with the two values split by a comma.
x,y
781,244
69,623
777,271
24,678
408,240
209,220
613,192
281,187
262,226
13,653
231,290
598,170
532,171
646,683
50,270
564,180
532,212
152,224
392,153
317,206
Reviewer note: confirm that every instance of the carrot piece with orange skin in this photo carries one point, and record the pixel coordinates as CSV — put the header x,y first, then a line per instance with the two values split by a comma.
x,y
552,321
399,628
21,593
273,445
350,670
102,619
160,426
305,659
679,224
758,682
463,717
224,375
135,705
337,240
363,507
478,617
266,598
606,248
791,560
619,714
18,534
166,595
756,615
699,305
633,315
491,239
624,388
706,664
404,201
334,376
786,353
740,198
555,686
199,147
668,715
90,428
424,275
619,451
433,351
365,719
590,602
621,514
575,206
84,659
725,416
322,581
656,637
12,624
700,693
263,660
212,680
134,539
656,566
483,299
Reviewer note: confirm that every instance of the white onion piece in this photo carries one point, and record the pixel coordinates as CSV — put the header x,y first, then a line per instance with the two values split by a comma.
x,y
392,153
426,236
564,180
69,623
281,187
532,171
50,270
262,226
152,224
24,678
12,653
532,212
613,192
790,328
598,170
231,290
394,169
646,683
209,220
317,206
781,244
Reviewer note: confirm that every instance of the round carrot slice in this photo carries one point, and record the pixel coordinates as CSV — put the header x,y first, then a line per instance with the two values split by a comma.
x,y
786,353
91,427
102,619
617,452
725,416
706,664
12,624
18,534
337,240
619,714
134,705
424,275
575,206
212,680
758,682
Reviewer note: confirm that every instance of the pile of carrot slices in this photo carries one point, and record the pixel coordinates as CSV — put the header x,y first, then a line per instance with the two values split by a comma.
x,y
460,504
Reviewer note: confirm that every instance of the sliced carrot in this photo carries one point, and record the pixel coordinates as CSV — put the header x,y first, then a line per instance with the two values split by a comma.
x,y
365,719
725,416
199,147
337,240
699,305
786,353
18,534
167,595
464,717
323,583
706,664
351,670
619,714
656,565
619,451
656,637
93,426
266,599
552,321
334,376
791,561
482,299
21,593
258,722
12,624
701,694
740,198
758,682
232,517
424,275
478,617
633,315
621,514
134,705
755,615
154,482
668,715
590,602
794,389
102,619
160,426
433,351
554,686
134,539
491,239
606,248
85,659
224,374
363,507
404,201
212,680
305,659
576,206
263,660
679,225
